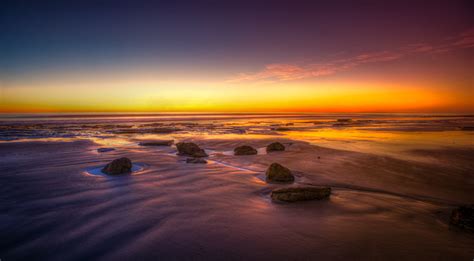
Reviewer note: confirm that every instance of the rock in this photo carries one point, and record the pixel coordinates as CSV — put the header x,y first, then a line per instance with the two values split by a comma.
x,y
463,217
278,173
196,160
157,143
275,146
245,150
301,193
190,149
344,120
105,149
118,166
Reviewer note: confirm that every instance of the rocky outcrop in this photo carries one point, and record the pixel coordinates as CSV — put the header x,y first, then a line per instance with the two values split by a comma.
x,y
196,160
118,166
300,193
275,146
463,217
245,150
190,149
157,143
278,173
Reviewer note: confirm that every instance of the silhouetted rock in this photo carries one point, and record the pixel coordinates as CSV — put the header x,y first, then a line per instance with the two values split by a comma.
x,y
245,150
190,149
300,193
196,160
118,166
463,217
278,173
275,146
157,143
105,149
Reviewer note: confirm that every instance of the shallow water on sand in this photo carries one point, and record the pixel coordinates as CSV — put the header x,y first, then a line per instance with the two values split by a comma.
x,y
395,179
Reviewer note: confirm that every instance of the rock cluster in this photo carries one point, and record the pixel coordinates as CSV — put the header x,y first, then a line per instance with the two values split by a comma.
x,y
118,166
245,150
190,149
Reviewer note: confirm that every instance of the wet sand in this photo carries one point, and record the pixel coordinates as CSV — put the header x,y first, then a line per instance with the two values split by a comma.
x,y
385,205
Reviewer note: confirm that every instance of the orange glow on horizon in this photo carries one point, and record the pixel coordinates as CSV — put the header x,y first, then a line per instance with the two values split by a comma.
x,y
128,95
208,97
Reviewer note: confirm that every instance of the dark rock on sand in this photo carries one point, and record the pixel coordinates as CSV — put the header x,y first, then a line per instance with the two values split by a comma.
x,y
105,149
275,146
157,143
190,149
278,173
463,217
196,160
344,120
301,193
245,150
118,166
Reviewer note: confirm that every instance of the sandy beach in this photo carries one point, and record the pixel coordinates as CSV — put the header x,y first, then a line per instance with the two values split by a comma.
x,y
56,204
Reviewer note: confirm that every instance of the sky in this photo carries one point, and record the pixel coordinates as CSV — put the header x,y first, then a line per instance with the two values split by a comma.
x,y
236,56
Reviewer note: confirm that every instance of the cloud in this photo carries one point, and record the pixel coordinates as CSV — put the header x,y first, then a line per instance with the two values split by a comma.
x,y
288,72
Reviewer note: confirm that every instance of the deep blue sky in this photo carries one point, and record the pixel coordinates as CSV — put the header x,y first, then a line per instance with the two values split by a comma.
x,y
37,35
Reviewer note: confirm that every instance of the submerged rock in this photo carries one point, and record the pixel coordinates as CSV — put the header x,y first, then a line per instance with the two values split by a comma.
x,y
105,149
301,193
463,217
196,160
157,143
190,149
118,166
278,173
245,150
275,146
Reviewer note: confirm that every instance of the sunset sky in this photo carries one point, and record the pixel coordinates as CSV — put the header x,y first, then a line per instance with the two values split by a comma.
x,y
241,56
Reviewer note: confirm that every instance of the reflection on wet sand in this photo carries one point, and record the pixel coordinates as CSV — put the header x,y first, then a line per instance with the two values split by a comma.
x,y
393,188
